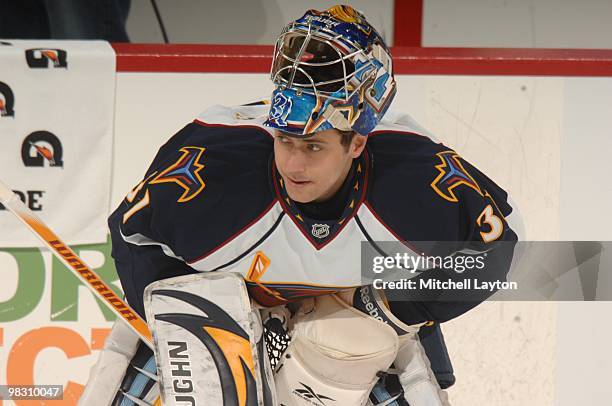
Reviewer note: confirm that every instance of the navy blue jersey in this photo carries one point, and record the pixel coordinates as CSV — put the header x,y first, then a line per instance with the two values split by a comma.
x,y
212,200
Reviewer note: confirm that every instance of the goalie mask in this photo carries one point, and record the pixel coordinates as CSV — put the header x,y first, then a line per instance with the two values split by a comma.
x,y
331,70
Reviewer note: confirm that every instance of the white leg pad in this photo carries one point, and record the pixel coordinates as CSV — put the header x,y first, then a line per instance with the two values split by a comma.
x,y
335,353
416,377
106,375
207,342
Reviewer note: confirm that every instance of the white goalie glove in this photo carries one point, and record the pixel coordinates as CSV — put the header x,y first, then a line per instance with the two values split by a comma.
x,y
335,354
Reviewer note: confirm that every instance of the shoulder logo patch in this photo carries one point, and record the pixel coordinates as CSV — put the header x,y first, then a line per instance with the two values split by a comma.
x,y
185,172
452,174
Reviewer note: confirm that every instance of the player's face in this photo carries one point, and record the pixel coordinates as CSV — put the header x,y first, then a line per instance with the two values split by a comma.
x,y
314,168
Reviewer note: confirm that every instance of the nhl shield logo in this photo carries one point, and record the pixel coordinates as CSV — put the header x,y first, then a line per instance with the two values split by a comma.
x,y
320,230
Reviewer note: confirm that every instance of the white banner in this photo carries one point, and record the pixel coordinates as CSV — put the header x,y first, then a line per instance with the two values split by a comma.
x,y
56,129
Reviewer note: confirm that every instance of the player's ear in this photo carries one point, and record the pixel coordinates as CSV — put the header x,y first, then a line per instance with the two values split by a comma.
x,y
358,143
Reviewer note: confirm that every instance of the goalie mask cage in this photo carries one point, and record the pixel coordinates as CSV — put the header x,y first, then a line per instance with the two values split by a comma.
x,y
233,59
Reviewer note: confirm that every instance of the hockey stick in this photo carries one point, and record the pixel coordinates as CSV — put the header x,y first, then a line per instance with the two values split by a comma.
x,y
12,202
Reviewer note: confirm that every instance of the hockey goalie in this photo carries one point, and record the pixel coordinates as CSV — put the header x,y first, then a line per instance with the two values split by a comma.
x,y
241,244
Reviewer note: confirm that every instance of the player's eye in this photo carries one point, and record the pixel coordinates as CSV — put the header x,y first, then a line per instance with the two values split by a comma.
x,y
314,147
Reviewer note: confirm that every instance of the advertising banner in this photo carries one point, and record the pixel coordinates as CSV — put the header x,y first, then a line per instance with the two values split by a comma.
x,y
51,326
56,129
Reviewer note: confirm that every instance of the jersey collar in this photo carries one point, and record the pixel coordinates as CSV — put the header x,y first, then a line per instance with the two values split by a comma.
x,y
322,232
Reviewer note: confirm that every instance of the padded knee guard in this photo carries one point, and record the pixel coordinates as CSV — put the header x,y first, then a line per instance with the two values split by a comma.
x,y
416,377
124,371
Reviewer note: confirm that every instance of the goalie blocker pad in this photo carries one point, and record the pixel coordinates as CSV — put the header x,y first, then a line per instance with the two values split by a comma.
x,y
208,342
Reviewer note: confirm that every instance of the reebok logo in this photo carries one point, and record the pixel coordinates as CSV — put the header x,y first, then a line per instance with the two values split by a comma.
x,y
368,305
309,395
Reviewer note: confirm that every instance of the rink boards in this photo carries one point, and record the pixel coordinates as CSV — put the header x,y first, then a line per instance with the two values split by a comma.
x,y
545,139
